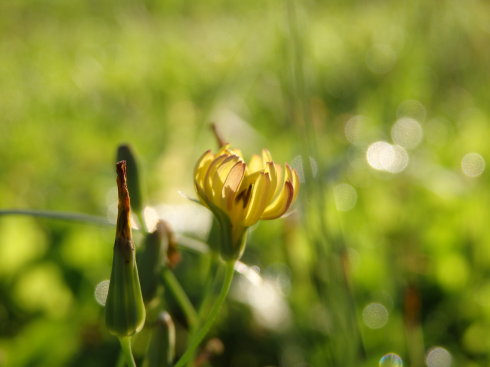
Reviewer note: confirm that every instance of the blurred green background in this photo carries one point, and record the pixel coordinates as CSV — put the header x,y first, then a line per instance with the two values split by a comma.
x,y
387,248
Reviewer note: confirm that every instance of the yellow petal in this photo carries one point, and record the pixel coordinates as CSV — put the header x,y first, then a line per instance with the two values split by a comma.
x,y
259,198
224,168
223,149
219,177
202,166
240,201
275,173
266,156
255,164
200,172
210,186
288,191
232,184
236,152
281,204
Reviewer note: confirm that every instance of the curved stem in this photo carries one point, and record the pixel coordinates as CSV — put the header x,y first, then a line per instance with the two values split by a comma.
x,y
181,297
126,348
197,338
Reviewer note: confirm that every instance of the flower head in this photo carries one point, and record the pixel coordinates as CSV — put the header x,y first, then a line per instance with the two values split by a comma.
x,y
241,194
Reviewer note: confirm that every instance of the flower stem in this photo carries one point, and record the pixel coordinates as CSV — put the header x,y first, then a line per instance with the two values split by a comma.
x,y
180,295
121,360
211,289
200,334
126,348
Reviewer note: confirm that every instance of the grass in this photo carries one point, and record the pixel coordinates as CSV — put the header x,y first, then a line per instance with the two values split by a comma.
x,y
79,78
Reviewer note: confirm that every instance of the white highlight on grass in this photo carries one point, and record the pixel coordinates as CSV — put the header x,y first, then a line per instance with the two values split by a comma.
x,y
101,291
298,164
473,164
185,218
345,197
151,218
375,315
251,273
383,156
438,357
407,132
264,297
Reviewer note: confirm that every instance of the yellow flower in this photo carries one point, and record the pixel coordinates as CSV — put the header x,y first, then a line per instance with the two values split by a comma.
x,y
241,194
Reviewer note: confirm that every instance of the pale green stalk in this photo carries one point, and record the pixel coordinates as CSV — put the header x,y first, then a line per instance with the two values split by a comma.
x,y
126,348
173,284
121,360
201,333
210,289
76,217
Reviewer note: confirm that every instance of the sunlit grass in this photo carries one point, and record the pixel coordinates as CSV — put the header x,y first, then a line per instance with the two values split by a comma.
x,y
391,102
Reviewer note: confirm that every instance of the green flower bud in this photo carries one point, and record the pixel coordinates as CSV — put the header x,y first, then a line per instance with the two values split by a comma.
x,y
162,343
124,309
159,249
150,262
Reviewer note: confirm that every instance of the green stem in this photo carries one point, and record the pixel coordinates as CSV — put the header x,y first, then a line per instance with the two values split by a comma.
x,y
197,338
184,241
180,295
76,217
126,348
120,360
211,289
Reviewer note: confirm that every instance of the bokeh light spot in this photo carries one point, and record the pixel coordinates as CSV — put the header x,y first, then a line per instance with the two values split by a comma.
x,y
101,291
375,315
383,156
391,360
407,132
473,164
438,357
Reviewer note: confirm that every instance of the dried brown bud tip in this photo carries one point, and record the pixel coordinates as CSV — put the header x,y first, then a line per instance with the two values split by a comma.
x,y
219,139
123,227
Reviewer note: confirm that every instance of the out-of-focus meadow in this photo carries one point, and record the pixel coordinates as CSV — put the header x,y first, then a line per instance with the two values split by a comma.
x,y
381,105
